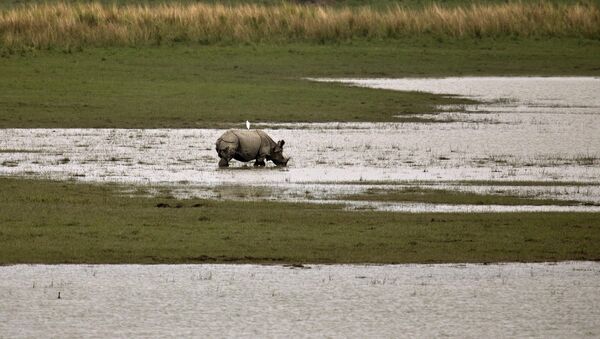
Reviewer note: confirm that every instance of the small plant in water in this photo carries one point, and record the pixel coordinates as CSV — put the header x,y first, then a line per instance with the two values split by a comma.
x,y
9,163
202,277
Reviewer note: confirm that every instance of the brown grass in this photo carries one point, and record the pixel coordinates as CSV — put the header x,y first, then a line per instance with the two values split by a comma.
x,y
94,24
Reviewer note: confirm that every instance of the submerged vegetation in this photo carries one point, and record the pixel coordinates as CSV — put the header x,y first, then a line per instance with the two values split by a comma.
x,y
96,24
65,222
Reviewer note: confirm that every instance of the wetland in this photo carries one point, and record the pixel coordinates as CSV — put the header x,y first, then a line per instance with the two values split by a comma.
x,y
444,177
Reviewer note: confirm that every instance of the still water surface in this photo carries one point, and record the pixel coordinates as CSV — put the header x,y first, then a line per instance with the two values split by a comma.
x,y
465,300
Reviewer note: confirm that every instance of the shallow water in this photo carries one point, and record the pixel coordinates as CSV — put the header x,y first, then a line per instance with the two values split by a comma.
x,y
524,300
531,131
520,94
322,157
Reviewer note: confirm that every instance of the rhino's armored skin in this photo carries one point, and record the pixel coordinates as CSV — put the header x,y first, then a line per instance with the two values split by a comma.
x,y
247,145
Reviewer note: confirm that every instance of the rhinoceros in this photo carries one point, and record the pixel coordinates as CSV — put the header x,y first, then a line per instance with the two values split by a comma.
x,y
247,145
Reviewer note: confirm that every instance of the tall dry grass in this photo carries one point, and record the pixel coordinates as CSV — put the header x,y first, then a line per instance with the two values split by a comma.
x,y
61,24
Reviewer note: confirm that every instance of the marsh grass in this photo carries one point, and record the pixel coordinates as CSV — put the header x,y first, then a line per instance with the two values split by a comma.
x,y
96,24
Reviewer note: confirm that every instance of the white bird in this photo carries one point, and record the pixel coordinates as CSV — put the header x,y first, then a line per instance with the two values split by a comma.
x,y
247,124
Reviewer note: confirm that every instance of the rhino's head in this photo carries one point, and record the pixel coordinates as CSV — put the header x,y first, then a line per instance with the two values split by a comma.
x,y
277,154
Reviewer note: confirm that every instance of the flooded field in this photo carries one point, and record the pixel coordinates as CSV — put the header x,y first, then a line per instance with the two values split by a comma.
x,y
541,130
567,95
505,300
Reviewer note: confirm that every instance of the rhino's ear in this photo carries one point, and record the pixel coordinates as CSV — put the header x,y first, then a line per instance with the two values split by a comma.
x,y
280,143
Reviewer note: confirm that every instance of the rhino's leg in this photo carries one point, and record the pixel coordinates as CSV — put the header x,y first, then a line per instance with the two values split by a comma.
x,y
259,162
223,163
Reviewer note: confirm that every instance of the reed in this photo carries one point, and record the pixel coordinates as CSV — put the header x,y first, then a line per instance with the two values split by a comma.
x,y
95,24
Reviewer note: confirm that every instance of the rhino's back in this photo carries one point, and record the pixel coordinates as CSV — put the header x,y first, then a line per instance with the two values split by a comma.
x,y
249,144
228,137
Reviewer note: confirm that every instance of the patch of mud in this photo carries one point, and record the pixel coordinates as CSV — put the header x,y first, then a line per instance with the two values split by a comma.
x,y
455,300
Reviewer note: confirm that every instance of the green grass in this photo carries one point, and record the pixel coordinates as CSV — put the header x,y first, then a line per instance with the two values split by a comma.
x,y
435,196
64,222
183,85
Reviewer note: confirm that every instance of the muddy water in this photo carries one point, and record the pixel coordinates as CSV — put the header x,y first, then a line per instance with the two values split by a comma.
x,y
538,129
540,300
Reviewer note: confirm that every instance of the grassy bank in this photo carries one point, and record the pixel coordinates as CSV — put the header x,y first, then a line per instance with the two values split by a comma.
x,y
96,24
60,222
219,86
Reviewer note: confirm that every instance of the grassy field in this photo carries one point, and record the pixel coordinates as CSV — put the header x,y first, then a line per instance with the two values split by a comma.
x,y
220,86
62,222
182,81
